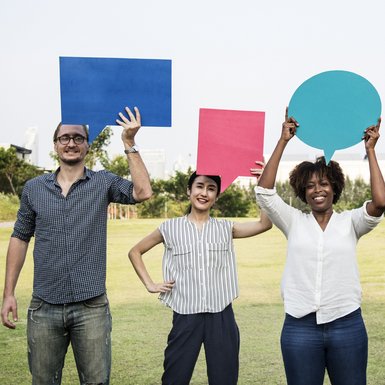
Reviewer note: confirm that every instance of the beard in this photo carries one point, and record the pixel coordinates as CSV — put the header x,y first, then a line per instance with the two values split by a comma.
x,y
71,161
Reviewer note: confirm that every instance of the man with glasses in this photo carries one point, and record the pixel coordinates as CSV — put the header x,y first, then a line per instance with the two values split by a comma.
x,y
66,211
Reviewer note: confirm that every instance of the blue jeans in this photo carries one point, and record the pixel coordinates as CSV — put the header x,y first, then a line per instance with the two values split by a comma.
x,y
340,347
50,329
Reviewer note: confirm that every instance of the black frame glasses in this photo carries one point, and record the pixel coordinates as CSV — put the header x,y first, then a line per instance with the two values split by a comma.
x,y
65,139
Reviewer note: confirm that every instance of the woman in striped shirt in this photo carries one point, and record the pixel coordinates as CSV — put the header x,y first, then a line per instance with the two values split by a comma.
x,y
200,283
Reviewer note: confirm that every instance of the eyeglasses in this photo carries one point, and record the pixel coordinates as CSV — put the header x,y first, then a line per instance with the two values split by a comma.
x,y
65,139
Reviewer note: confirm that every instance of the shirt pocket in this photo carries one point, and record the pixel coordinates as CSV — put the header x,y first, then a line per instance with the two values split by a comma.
x,y
218,255
182,255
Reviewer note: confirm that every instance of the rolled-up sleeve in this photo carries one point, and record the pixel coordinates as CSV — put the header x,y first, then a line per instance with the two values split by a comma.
x,y
363,222
24,227
120,190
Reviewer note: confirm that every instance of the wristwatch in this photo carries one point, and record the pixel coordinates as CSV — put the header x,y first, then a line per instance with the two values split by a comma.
x,y
132,149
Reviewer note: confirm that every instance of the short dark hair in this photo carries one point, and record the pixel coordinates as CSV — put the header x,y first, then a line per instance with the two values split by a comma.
x,y
56,132
215,178
301,174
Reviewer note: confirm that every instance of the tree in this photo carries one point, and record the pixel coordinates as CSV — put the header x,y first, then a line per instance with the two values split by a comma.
x,y
354,194
156,207
118,165
286,192
14,172
97,151
233,202
9,164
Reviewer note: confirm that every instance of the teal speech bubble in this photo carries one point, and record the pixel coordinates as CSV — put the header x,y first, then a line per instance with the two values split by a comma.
x,y
333,109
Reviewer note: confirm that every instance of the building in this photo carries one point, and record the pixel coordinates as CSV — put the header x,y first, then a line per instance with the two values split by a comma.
x,y
155,161
21,152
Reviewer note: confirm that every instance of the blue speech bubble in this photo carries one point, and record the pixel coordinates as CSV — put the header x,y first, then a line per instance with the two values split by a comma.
x,y
94,90
333,109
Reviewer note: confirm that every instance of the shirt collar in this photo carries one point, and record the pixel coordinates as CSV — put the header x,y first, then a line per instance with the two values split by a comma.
x,y
86,175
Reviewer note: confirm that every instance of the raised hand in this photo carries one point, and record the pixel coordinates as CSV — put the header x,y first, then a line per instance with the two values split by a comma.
x,y
289,127
371,135
257,172
130,125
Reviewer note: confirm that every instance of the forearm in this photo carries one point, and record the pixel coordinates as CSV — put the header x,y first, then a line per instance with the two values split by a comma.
x,y
17,251
249,229
267,179
139,177
265,221
377,183
140,268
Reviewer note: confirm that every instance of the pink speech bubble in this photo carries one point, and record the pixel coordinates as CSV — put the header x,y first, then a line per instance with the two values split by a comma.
x,y
229,143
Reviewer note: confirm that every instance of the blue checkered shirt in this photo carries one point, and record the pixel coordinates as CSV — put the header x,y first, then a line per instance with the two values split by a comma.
x,y
70,233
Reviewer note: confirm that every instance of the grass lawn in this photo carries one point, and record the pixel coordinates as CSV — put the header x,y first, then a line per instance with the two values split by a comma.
x,y
141,324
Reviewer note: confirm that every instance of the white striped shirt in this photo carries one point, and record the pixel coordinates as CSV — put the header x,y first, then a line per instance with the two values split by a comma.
x,y
202,263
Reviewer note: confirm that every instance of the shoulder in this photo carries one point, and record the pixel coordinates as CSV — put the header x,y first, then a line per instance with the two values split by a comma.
x,y
173,222
104,174
107,176
41,179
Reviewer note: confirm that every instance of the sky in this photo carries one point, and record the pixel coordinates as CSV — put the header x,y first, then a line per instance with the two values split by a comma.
x,y
242,55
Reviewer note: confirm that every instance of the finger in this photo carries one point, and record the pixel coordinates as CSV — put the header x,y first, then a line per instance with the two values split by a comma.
x,y
138,117
293,121
368,134
130,114
286,113
123,117
260,163
9,324
14,313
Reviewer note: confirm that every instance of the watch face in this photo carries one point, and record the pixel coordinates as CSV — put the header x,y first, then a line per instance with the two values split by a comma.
x,y
132,149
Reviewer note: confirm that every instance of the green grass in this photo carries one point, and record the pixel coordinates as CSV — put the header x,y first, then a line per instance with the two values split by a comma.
x,y
9,204
141,324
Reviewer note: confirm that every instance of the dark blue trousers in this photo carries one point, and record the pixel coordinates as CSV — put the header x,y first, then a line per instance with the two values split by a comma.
x,y
219,334
340,347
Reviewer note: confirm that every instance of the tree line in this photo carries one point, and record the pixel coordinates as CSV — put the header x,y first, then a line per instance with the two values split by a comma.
x,y
170,197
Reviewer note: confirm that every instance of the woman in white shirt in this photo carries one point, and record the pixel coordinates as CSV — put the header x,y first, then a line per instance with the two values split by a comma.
x,y
323,327
200,283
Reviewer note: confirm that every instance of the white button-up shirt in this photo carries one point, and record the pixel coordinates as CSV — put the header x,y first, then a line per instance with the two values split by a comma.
x,y
321,272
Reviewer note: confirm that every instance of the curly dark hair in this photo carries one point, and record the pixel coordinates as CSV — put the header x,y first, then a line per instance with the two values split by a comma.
x,y
301,174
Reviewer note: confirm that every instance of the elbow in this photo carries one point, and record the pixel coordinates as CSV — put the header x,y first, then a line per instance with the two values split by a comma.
x,y
143,194
131,254
381,208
